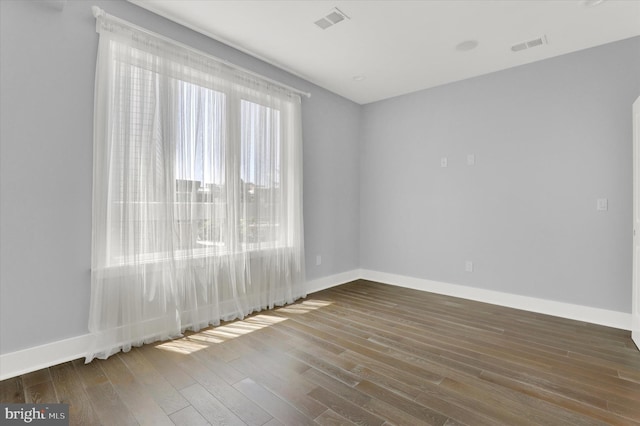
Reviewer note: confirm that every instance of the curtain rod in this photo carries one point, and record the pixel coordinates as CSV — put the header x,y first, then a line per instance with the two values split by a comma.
x,y
97,12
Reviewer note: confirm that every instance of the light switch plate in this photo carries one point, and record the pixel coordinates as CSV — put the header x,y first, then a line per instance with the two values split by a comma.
x,y
468,266
602,204
444,162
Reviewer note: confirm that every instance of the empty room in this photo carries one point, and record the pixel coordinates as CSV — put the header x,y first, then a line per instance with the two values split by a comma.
x,y
320,212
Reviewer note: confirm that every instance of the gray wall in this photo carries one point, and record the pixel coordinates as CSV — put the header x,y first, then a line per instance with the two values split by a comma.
x,y
549,139
47,69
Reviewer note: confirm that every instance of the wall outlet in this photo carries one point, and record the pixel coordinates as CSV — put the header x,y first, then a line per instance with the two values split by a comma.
x,y
444,162
468,266
318,260
471,160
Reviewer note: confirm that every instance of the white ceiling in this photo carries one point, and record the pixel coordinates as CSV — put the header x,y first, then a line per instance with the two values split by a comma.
x,y
402,46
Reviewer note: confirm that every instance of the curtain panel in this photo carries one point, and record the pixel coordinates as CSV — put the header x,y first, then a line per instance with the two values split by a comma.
x,y
197,191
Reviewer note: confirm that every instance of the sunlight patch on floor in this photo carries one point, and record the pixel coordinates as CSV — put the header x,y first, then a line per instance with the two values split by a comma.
x,y
304,307
264,320
223,333
182,346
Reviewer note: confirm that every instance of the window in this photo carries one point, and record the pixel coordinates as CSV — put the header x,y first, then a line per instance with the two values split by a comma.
x,y
209,179
197,205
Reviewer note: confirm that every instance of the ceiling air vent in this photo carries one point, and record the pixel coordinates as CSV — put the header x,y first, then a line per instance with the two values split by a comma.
x,y
529,44
332,18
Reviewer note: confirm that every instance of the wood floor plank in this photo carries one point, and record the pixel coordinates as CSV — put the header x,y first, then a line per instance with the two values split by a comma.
x,y
629,412
345,408
292,388
222,368
234,400
213,410
40,393
163,393
90,374
188,416
486,344
597,414
12,391
516,407
326,366
163,361
69,389
231,349
394,380
273,405
413,378
406,405
36,377
140,403
462,354
387,409
331,418
108,405
368,349
630,375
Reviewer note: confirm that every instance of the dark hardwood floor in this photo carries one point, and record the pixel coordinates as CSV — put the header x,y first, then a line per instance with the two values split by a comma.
x,y
361,353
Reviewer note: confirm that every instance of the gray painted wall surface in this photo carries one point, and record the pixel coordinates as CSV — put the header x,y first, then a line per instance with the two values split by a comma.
x,y
549,139
47,70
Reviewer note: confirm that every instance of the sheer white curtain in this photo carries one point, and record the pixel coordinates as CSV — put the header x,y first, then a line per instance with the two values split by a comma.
x,y
197,191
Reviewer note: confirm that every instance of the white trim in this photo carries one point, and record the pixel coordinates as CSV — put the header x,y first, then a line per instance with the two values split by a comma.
x,y
43,356
621,320
333,280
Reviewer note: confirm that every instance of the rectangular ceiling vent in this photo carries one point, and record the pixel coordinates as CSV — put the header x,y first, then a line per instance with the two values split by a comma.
x,y
529,44
331,18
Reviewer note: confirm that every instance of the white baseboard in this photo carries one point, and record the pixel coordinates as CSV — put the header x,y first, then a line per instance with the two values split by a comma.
x,y
333,280
43,356
621,320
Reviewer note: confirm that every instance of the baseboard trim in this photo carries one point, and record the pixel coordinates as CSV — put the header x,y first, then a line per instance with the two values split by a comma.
x,y
43,356
31,359
332,280
588,314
